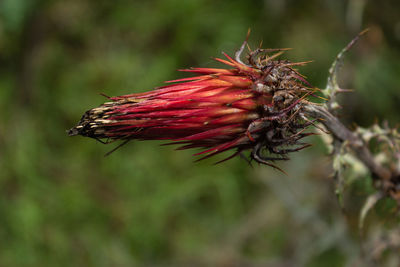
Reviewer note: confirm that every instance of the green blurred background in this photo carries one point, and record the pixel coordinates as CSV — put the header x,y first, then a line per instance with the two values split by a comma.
x,y
62,203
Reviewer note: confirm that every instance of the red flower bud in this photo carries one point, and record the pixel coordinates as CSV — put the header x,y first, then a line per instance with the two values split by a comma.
x,y
255,106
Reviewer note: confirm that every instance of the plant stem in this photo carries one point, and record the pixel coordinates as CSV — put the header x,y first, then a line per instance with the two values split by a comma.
x,y
341,133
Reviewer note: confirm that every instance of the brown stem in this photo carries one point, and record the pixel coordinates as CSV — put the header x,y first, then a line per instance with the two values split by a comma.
x,y
360,148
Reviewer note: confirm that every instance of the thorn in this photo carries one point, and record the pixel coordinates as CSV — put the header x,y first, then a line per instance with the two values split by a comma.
x,y
274,56
267,50
117,147
242,156
248,33
248,47
228,158
352,42
102,94
320,97
239,52
298,63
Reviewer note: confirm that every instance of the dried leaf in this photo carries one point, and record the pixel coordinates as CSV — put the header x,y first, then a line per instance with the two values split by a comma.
x,y
368,205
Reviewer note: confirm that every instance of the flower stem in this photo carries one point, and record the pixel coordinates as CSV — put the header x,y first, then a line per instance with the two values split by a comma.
x,y
341,134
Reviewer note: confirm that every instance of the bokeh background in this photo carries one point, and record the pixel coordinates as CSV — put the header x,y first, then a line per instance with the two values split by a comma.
x,y
62,203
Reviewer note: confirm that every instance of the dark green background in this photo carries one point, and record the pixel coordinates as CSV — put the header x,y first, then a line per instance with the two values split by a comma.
x,y
62,203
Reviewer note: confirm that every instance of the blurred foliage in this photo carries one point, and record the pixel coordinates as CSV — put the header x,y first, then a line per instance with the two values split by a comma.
x,y
62,203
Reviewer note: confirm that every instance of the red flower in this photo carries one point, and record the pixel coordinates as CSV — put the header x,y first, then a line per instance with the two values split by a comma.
x,y
255,106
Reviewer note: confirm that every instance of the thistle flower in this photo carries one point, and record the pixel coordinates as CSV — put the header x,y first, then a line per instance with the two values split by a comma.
x,y
255,106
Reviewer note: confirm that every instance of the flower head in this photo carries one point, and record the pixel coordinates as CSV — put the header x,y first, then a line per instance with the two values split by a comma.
x,y
255,106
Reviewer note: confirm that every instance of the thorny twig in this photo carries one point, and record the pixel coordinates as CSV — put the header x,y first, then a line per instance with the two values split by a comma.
x,y
386,179
342,134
